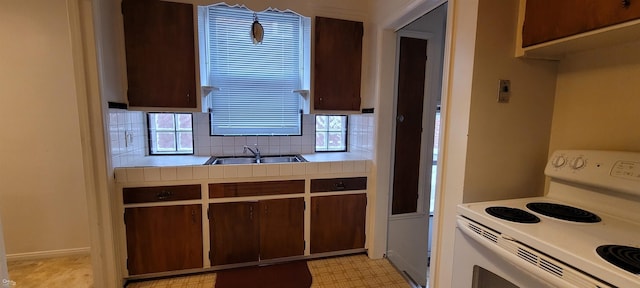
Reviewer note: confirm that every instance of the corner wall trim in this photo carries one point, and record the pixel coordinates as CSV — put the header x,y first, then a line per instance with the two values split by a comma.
x,y
48,254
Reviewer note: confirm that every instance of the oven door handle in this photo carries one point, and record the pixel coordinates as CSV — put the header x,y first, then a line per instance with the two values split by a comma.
x,y
513,259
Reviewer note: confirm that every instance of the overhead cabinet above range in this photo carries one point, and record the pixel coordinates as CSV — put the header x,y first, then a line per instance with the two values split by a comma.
x,y
160,54
550,29
547,20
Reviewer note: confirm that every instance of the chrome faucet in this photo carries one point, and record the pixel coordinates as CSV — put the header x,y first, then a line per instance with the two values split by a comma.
x,y
255,152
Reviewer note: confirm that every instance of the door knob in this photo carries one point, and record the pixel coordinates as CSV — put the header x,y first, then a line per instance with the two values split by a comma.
x,y
400,118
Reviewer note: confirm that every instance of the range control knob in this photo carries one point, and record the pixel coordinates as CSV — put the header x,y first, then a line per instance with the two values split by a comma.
x,y
578,163
559,161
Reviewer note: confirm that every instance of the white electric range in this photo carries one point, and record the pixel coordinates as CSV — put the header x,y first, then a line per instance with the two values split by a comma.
x,y
540,237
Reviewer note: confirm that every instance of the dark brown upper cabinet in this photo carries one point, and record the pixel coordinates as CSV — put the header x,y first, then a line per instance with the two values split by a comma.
x,y
160,53
337,64
547,20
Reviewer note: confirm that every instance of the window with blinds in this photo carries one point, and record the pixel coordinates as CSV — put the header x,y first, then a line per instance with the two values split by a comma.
x,y
253,84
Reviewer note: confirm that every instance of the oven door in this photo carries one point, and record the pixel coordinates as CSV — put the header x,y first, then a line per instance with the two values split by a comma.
x,y
475,266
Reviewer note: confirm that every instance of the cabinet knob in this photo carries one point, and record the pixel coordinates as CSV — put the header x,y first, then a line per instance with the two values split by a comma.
x,y
626,3
339,186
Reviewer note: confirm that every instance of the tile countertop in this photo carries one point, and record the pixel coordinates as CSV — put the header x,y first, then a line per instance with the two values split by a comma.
x,y
164,161
180,168
191,160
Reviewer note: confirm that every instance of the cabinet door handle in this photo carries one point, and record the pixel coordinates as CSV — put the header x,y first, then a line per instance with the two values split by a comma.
x,y
164,195
339,186
193,216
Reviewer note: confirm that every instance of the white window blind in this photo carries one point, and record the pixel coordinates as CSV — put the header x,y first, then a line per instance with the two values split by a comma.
x,y
255,83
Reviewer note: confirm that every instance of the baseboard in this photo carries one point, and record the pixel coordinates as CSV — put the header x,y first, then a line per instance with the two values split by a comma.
x,y
48,254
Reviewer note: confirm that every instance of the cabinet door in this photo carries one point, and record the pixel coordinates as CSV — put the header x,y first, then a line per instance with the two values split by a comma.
x,y
338,222
234,231
163,238
159,42
547,20
337,65
281,228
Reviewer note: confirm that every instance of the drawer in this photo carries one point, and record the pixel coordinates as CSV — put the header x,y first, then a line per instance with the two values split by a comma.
x,y
244,189
161,193
338,184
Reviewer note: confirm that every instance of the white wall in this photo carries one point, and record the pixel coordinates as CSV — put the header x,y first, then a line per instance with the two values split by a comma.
x,y
508,143
42,201
597,105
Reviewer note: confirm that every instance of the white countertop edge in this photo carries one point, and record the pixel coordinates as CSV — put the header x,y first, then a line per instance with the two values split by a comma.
x,y
178,168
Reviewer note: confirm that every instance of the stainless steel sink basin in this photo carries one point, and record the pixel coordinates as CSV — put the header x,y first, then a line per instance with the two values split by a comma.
x,y
282,159
252,160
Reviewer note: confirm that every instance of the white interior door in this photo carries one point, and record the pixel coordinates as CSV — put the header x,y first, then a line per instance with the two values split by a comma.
x,y
409,220
408,233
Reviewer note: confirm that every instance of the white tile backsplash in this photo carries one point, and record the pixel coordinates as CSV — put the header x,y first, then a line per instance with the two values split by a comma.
x,y
362,133
360,139
269,145
122,150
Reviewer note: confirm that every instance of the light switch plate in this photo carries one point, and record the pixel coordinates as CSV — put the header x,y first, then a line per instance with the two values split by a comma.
x,y
504,91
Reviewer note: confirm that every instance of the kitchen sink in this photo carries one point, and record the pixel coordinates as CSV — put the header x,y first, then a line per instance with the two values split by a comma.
x,y
282,159
230,160
224,160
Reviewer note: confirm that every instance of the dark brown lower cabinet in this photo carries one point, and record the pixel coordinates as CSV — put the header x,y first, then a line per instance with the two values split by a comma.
x,y
281,228
163,238
252,231
338,222
234,232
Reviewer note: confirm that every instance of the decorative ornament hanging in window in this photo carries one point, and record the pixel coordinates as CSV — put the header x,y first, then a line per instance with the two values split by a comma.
x,y
257,32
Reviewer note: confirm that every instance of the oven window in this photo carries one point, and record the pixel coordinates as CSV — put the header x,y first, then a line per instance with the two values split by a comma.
x,y
483,278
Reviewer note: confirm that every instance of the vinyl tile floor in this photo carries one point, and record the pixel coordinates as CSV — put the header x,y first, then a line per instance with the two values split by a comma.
x,y
356,271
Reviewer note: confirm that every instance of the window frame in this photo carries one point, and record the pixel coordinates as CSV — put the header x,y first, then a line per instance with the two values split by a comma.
x,y
345,124
290,125
175,132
